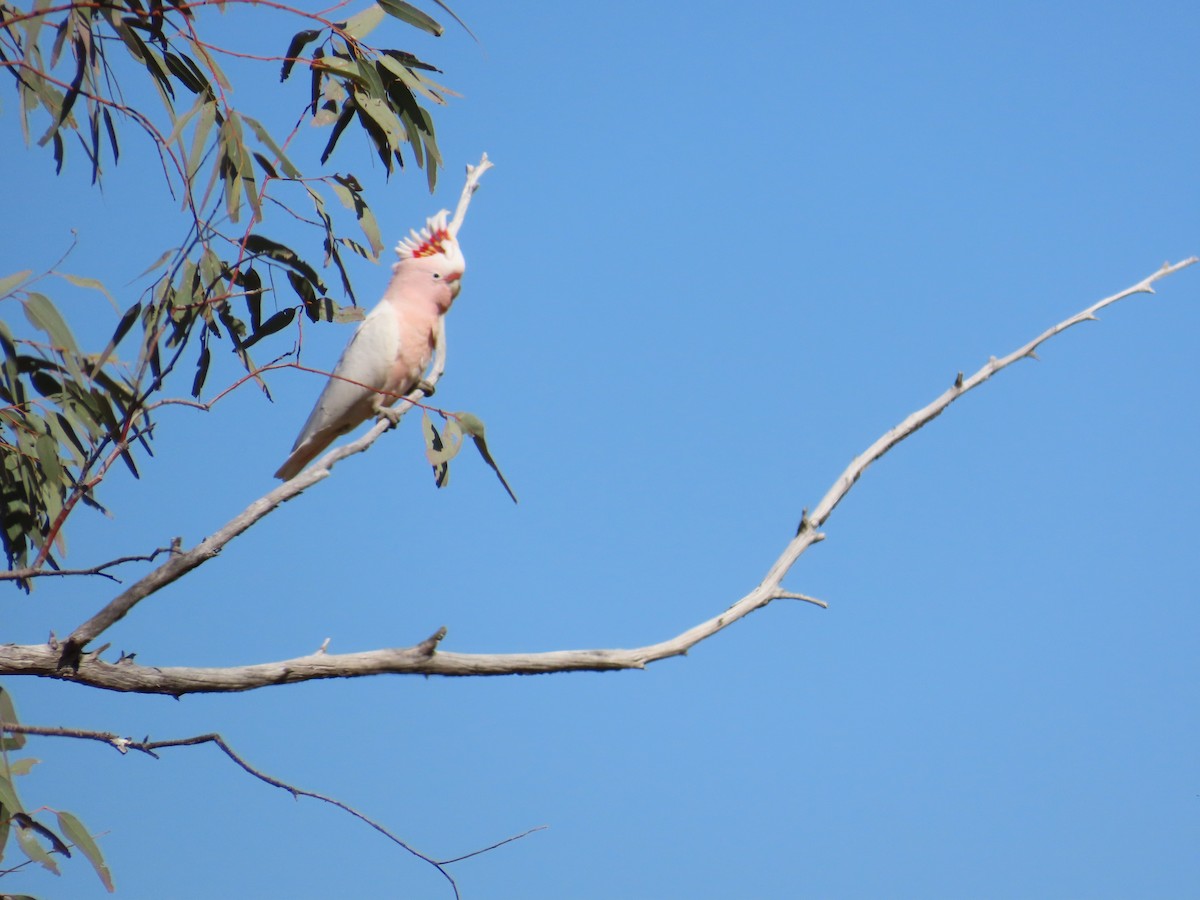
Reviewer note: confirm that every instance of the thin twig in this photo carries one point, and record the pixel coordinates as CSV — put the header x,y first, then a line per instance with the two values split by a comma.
x,y
20,574
147,746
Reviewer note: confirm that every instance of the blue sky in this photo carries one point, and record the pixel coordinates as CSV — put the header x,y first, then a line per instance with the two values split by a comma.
x,y
723,249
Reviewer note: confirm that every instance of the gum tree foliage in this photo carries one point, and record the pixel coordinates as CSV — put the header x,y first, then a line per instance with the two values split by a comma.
x,y
69,413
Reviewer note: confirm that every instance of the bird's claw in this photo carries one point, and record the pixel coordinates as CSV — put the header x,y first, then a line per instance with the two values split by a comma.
x,y
392,415
426,387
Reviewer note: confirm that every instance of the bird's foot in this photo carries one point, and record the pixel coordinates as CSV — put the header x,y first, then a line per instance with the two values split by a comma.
x,y
426,387
392,415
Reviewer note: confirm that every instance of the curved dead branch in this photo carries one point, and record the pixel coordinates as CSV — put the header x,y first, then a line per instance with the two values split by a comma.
x,y
425,659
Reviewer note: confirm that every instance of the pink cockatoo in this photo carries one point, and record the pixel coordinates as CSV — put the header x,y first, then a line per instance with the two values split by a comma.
x,y
392,348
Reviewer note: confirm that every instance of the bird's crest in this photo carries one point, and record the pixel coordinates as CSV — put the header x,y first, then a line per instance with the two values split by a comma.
x,y
434,238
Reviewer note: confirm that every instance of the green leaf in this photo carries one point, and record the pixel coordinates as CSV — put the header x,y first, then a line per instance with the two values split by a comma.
x,y
204,124
8,713
473,425
47,453
264,246
11,281
130,316
277,322
181,121
269,142
406,12
10,803
454,15
343,67
43,315
93,283
78,835
339,126
359,25
298,43
22,766
352,199
166,254
201,371
381,114
31,847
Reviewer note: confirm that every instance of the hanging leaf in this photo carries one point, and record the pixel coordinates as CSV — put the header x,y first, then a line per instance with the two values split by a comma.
x,y
359,25
406,12
42,314
8,713
201,371
11,281
299,42
277,322
123,326
473,425
78,835
434,447
30,846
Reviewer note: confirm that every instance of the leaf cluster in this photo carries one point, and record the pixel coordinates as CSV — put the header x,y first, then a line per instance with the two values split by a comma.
x,y
39,842
226,277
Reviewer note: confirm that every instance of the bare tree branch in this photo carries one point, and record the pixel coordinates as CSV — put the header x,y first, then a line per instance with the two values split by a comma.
x,y
22,574
149,747
425,658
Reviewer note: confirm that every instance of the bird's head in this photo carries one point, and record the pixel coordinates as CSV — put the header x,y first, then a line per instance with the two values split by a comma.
x,y
435,252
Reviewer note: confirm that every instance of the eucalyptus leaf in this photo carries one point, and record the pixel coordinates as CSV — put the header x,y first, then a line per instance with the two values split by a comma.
x,y
9,282
78,835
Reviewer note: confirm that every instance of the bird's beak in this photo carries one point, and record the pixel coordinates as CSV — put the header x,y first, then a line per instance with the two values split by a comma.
x,y
455,281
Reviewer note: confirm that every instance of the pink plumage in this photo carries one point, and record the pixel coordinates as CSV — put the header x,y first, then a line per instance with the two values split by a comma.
x,y
392,348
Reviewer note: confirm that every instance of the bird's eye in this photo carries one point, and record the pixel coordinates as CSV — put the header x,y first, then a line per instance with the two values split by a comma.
x,y
437,274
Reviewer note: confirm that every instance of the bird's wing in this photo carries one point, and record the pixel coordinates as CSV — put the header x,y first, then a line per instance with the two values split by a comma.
x,y
349,398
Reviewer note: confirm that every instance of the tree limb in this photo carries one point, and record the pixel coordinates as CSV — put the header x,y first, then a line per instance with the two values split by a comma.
x,y
149,747
184,561
425,658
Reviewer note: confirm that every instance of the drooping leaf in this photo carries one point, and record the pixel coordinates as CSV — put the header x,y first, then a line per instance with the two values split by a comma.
x,y
31,848
261,245
298,43
8,713
112,135
434,445
269,142
406,12
349,193
359,25
78,835
43,314
448,443
277,322
57,843
10,803
9,282
130,316
339,126
84,281
47,453
166,255
473,425
201,371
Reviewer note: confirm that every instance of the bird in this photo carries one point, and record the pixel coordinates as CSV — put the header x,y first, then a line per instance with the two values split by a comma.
x,y
392,347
